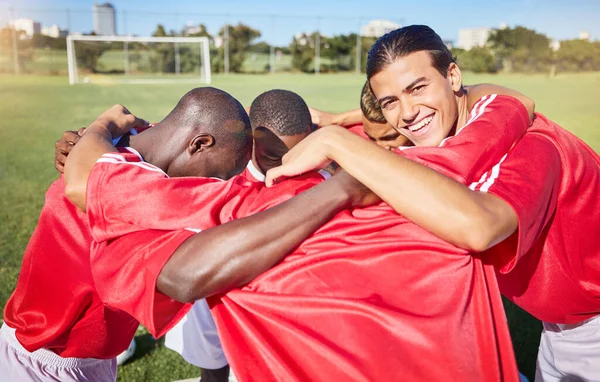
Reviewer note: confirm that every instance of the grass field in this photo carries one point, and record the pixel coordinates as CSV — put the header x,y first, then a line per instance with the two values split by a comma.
x,y
35,111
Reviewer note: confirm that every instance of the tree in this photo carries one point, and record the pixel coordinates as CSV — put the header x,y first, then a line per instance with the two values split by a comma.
x,y
521,49
365,45
477,60
578,56
240,39
24,48
302,49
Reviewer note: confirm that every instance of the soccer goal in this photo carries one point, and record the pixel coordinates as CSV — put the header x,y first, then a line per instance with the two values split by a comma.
x,y
138,60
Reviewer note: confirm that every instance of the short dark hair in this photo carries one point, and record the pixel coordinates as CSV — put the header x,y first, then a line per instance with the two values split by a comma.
x,y
404,41
370,106
283,112
212,110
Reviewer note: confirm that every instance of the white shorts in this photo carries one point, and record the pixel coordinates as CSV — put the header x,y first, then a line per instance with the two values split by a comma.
x,y
195,337
569,352
19,365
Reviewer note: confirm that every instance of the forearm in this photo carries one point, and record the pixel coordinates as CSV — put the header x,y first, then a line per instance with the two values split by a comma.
x,y
96,141
233,254
443,206
348,118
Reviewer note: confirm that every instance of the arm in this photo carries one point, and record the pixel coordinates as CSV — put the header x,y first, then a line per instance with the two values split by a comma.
x,y
345,119
475,92
233,254
445,206
96,141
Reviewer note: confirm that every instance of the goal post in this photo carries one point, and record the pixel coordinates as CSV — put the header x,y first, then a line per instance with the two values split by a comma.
x,y
204,73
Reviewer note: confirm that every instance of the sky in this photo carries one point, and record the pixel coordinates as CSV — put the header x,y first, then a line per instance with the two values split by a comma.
x,y
278,21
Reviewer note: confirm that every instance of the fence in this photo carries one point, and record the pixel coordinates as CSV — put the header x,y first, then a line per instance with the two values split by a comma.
x,y
321,51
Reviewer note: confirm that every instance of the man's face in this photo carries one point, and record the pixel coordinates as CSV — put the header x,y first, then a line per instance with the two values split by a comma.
x,y
384,135
417,100
269,148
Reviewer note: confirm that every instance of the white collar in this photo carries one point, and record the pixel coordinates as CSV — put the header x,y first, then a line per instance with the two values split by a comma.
x,y
256,173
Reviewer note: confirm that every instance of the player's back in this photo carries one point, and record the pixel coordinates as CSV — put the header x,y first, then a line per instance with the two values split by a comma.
x,y
55,304
379,297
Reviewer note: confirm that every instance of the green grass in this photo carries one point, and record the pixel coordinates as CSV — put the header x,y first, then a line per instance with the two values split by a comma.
x,y
35,110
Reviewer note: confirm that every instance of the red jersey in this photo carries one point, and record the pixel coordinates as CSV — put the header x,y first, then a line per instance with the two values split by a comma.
x,y
56,305
374,294
551,266
252,173
358,130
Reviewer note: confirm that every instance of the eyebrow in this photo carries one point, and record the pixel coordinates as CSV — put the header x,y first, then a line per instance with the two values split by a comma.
x,y
412,84
406,89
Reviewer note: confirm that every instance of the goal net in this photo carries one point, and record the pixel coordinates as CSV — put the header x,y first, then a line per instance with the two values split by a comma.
x,y
142,60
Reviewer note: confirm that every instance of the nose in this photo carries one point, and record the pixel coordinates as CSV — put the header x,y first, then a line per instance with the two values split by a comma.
x,y
408,110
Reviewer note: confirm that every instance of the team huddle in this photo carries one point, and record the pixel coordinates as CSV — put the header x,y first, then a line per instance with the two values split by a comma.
x,y
290,244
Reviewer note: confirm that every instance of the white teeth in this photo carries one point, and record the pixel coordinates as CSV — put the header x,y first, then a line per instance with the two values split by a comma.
x,y
421,124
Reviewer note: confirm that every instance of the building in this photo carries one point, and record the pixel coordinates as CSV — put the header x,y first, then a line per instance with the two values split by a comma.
x,y
470,38
584,35
28,26
55,31
105,20
377,28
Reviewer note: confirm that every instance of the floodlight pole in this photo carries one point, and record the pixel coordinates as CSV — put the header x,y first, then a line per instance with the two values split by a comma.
x,y
126,56
358,49
226,49
14,43
177,59
318,47
272,48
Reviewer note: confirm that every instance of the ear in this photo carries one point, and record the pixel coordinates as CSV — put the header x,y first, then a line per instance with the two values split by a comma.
x,y
454,76
200,143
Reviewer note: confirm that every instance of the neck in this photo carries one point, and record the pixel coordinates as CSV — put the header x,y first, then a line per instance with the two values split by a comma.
x,y
148,144
463,110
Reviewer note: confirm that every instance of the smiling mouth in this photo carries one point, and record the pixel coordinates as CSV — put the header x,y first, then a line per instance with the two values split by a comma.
x,y
421,124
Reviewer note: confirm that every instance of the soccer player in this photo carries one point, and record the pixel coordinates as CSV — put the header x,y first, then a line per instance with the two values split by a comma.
x,y
539,203
279,119
328,299
55,325
370,118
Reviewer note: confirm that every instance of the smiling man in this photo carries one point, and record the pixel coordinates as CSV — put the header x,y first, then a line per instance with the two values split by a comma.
x,y
539,201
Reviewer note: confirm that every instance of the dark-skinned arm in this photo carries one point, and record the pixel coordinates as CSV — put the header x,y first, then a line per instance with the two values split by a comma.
x,y
95,142
233,254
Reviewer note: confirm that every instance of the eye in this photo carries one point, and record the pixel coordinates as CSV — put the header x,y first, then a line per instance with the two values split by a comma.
x,y
389,105
417,89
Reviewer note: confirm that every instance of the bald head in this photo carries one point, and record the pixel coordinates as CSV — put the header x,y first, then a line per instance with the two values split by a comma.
x,y
211,132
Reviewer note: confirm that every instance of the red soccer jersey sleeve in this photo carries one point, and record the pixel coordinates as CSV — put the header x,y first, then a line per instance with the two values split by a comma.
x,y
126,279
495,126
527,179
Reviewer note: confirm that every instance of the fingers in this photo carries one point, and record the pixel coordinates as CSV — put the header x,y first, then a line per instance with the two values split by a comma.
x,y
59,162
272,176
63,147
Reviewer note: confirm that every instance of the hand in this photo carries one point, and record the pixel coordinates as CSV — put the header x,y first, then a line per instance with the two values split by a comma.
x,y
358,194
118,121
63,147
321,118
310,154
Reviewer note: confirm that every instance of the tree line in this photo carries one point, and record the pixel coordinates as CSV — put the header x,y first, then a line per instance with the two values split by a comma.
x,y
516,49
